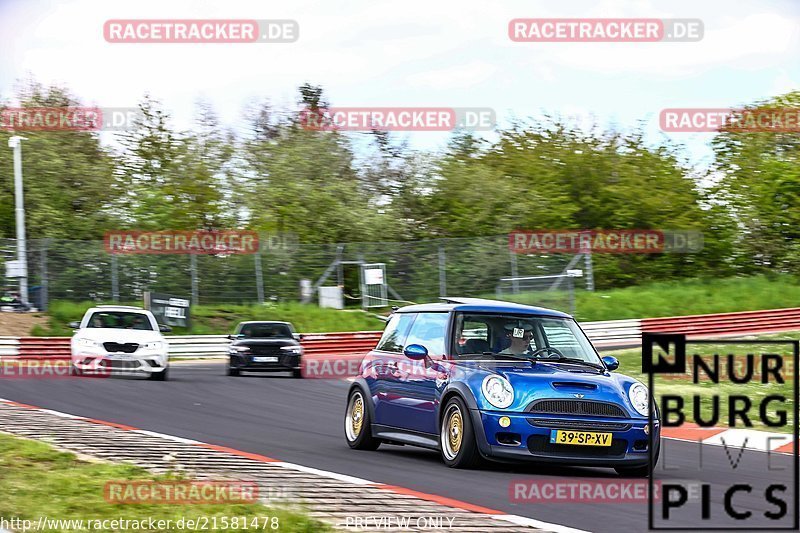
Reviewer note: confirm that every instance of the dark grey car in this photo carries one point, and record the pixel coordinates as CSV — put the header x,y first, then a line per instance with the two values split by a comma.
x,y
265,347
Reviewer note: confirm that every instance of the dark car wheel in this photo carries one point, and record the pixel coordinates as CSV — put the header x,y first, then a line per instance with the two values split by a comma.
x,y
159,376
639,471
357,423
457,436
233,371
297,373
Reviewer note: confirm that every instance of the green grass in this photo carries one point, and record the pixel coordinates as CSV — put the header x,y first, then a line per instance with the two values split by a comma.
x,y
222,318
675,298
631,365
37,480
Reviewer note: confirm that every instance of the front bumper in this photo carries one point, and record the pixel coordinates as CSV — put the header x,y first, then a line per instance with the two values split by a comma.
x,y
283,362
96,363
527,438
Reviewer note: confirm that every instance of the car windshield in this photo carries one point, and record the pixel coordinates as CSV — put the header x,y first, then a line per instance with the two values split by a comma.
x,y
504,336
266,331
119,320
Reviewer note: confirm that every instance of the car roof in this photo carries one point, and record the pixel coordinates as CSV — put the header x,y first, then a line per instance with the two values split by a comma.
x,y
264,322
117,308
481,305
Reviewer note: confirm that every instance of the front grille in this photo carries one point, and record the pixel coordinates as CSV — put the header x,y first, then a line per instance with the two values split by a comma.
x,y
126,347
540,444
119,365
577,407
578,424
266,350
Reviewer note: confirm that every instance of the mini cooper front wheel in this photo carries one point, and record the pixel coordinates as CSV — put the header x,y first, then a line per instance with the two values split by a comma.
x,y
457,436
357,424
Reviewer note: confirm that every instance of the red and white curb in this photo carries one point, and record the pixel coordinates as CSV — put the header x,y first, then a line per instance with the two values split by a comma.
x,y
470,516
749,439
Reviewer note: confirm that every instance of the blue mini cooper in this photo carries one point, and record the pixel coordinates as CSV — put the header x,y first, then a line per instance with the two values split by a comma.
x,y
482,379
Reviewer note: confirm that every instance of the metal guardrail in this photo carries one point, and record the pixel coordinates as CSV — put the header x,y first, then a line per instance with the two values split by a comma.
x,y
606,334
9,346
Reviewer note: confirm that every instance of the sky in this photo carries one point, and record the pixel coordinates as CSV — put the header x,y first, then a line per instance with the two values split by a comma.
x,y
414,53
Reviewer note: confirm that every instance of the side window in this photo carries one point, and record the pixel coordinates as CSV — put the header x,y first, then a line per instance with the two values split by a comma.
x,y
474,336
394,336
429,330
560,336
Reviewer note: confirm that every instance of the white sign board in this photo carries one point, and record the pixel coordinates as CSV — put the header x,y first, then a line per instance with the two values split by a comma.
x,y
14,269
373,276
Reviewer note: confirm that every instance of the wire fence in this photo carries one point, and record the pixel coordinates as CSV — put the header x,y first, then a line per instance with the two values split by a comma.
x,y
415,272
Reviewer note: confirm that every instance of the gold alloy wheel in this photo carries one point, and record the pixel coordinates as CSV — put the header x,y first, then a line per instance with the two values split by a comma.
x,y
452,434
355,416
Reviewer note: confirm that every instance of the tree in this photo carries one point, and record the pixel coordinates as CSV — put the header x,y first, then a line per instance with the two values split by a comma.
x,y
66,175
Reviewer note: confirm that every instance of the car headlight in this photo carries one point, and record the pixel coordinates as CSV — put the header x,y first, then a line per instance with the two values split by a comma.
x,y
640,398
155,345
238,349
293,349
87,343
497,391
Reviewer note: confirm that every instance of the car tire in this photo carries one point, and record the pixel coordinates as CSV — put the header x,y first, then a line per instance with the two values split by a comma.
x,y
634,472
357,423
457,442
159,376
297,373
233,371
639,471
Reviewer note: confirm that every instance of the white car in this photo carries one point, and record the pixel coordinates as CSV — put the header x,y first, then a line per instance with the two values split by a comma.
x,y
119,339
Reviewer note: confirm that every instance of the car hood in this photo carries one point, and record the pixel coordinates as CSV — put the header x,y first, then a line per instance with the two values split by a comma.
x,y
541,380
265,342
138,336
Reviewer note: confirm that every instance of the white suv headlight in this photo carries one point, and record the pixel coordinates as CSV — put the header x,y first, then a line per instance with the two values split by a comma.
x,y
497,391
87,343
640,398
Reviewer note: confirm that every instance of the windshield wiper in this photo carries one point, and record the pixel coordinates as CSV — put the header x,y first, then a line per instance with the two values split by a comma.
x,y
496,355
575,361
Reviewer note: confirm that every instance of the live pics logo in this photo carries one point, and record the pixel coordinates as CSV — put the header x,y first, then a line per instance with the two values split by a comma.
x,y
739,488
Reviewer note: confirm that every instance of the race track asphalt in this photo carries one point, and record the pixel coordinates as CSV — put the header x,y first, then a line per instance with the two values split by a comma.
x,y
300,421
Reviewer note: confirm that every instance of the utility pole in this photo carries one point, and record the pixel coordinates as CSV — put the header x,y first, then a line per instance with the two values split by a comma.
x,y
15,143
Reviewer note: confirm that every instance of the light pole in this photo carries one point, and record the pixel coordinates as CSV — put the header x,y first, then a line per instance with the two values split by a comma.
x,y
15,143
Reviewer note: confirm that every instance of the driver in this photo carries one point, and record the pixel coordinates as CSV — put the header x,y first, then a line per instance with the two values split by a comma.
x,y
520,334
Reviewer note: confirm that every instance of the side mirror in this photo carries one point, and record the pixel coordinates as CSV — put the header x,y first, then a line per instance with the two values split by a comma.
x,y
74,325
611,363
417,352
230,337
297,336
164,328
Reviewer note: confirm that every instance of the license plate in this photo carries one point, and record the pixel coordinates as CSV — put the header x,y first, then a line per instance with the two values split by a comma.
x,y
265,359
580,438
